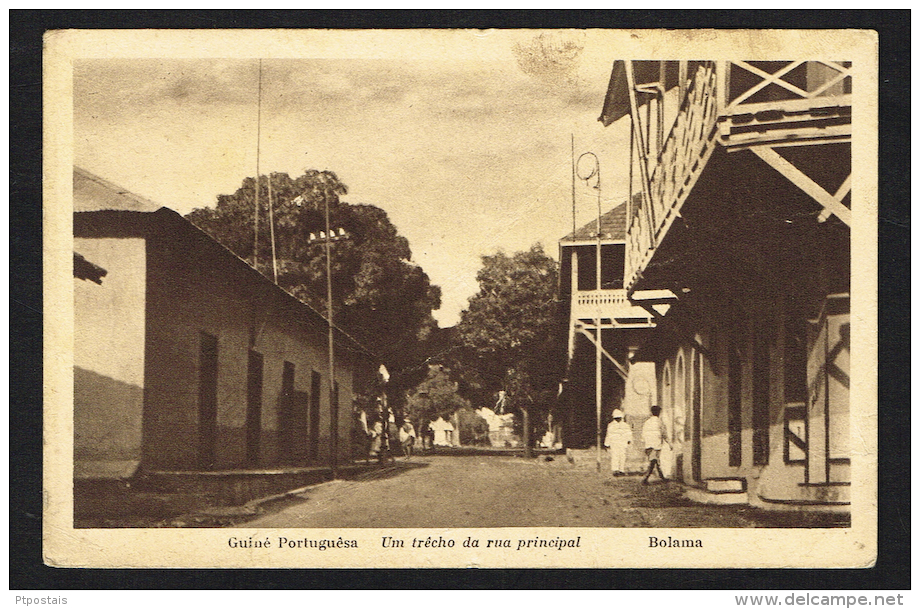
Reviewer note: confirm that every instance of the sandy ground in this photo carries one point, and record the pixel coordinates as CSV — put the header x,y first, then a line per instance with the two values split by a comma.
x,y
503,491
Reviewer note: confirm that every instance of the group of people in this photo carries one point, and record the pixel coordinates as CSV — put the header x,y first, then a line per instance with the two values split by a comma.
x,y
384,435
619,437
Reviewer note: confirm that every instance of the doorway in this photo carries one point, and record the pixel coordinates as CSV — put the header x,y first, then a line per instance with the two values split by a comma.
x,y
696,449
254,408
207,401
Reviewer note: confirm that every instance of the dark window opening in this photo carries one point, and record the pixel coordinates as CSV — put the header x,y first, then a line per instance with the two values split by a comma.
x,y
760,413
734,406
613,260
254,408
315,388
207,401
696,453
587,263
291,446
794,364
613,257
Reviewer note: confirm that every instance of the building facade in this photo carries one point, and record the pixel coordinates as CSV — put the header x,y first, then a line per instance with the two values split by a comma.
x,y
603,326
186,358
738,244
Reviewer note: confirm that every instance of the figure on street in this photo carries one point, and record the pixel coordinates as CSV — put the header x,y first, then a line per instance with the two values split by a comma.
x,y
617,441
654,436
391,437
407,437
376,435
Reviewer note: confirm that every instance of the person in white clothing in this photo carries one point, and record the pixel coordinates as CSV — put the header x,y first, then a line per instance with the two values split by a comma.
x,y
407,437
617,441
654,436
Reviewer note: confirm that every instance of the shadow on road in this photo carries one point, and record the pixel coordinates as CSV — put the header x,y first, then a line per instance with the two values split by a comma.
x,y
387,470
671,495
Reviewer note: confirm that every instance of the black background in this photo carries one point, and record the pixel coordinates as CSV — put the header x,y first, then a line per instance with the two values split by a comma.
x,y
27,572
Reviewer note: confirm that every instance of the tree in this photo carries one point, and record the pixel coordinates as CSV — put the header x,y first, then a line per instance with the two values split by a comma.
x,y
380,296
439,395
436,396
509,338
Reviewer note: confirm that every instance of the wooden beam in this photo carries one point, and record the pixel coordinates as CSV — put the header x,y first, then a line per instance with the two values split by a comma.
x,y
839,195
829,202
723,85
842,73
591,242
650,308
794,106
621,370
775,78
643,164
615,325
653,297
681,81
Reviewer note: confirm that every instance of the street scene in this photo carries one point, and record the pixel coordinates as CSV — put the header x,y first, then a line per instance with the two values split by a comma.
x,y
515,281
494,491
463,488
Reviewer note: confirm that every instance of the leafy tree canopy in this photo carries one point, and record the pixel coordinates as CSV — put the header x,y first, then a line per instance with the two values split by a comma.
x,y
436,396
509,338
380,296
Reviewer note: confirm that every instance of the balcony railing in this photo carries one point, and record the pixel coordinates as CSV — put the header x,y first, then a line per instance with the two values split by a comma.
x,y
735,104
682,158
609,304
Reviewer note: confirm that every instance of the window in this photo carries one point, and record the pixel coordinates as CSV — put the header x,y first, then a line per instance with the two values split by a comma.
x,y
794,367
291,444
587,268
697,455
664,399
680,401
254,407
207,401
760,412
613,257
734,403
315,388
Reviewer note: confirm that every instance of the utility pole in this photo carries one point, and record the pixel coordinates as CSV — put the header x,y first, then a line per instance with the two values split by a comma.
x,y
333,398
328,237
598,353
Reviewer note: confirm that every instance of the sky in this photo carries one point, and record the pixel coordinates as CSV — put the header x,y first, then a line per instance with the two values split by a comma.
x,y
464,138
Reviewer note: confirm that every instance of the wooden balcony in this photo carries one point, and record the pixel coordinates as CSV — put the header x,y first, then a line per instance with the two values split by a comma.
x,y
612,307
736,105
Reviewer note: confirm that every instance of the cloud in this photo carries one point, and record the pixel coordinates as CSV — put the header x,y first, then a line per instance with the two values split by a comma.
x,y
127,86
465,155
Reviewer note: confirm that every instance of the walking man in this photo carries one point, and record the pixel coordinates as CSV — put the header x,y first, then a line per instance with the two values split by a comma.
x,y
617,441
654,436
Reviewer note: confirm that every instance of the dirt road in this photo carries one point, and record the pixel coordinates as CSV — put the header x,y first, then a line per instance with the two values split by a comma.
x,y
503,491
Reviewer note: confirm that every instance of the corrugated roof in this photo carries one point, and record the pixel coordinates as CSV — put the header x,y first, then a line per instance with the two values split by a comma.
x,y
92,193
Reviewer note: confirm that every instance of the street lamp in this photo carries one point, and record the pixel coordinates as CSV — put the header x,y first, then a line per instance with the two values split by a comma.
x,y
327,237
595,172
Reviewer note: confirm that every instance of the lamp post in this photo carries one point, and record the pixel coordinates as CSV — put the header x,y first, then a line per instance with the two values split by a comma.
x,y
595,172
328,237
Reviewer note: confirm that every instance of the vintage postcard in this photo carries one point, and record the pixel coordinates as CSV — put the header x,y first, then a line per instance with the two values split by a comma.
x,y
460,298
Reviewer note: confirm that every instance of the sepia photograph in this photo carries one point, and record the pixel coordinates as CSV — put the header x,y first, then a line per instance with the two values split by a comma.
x,y
447,298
